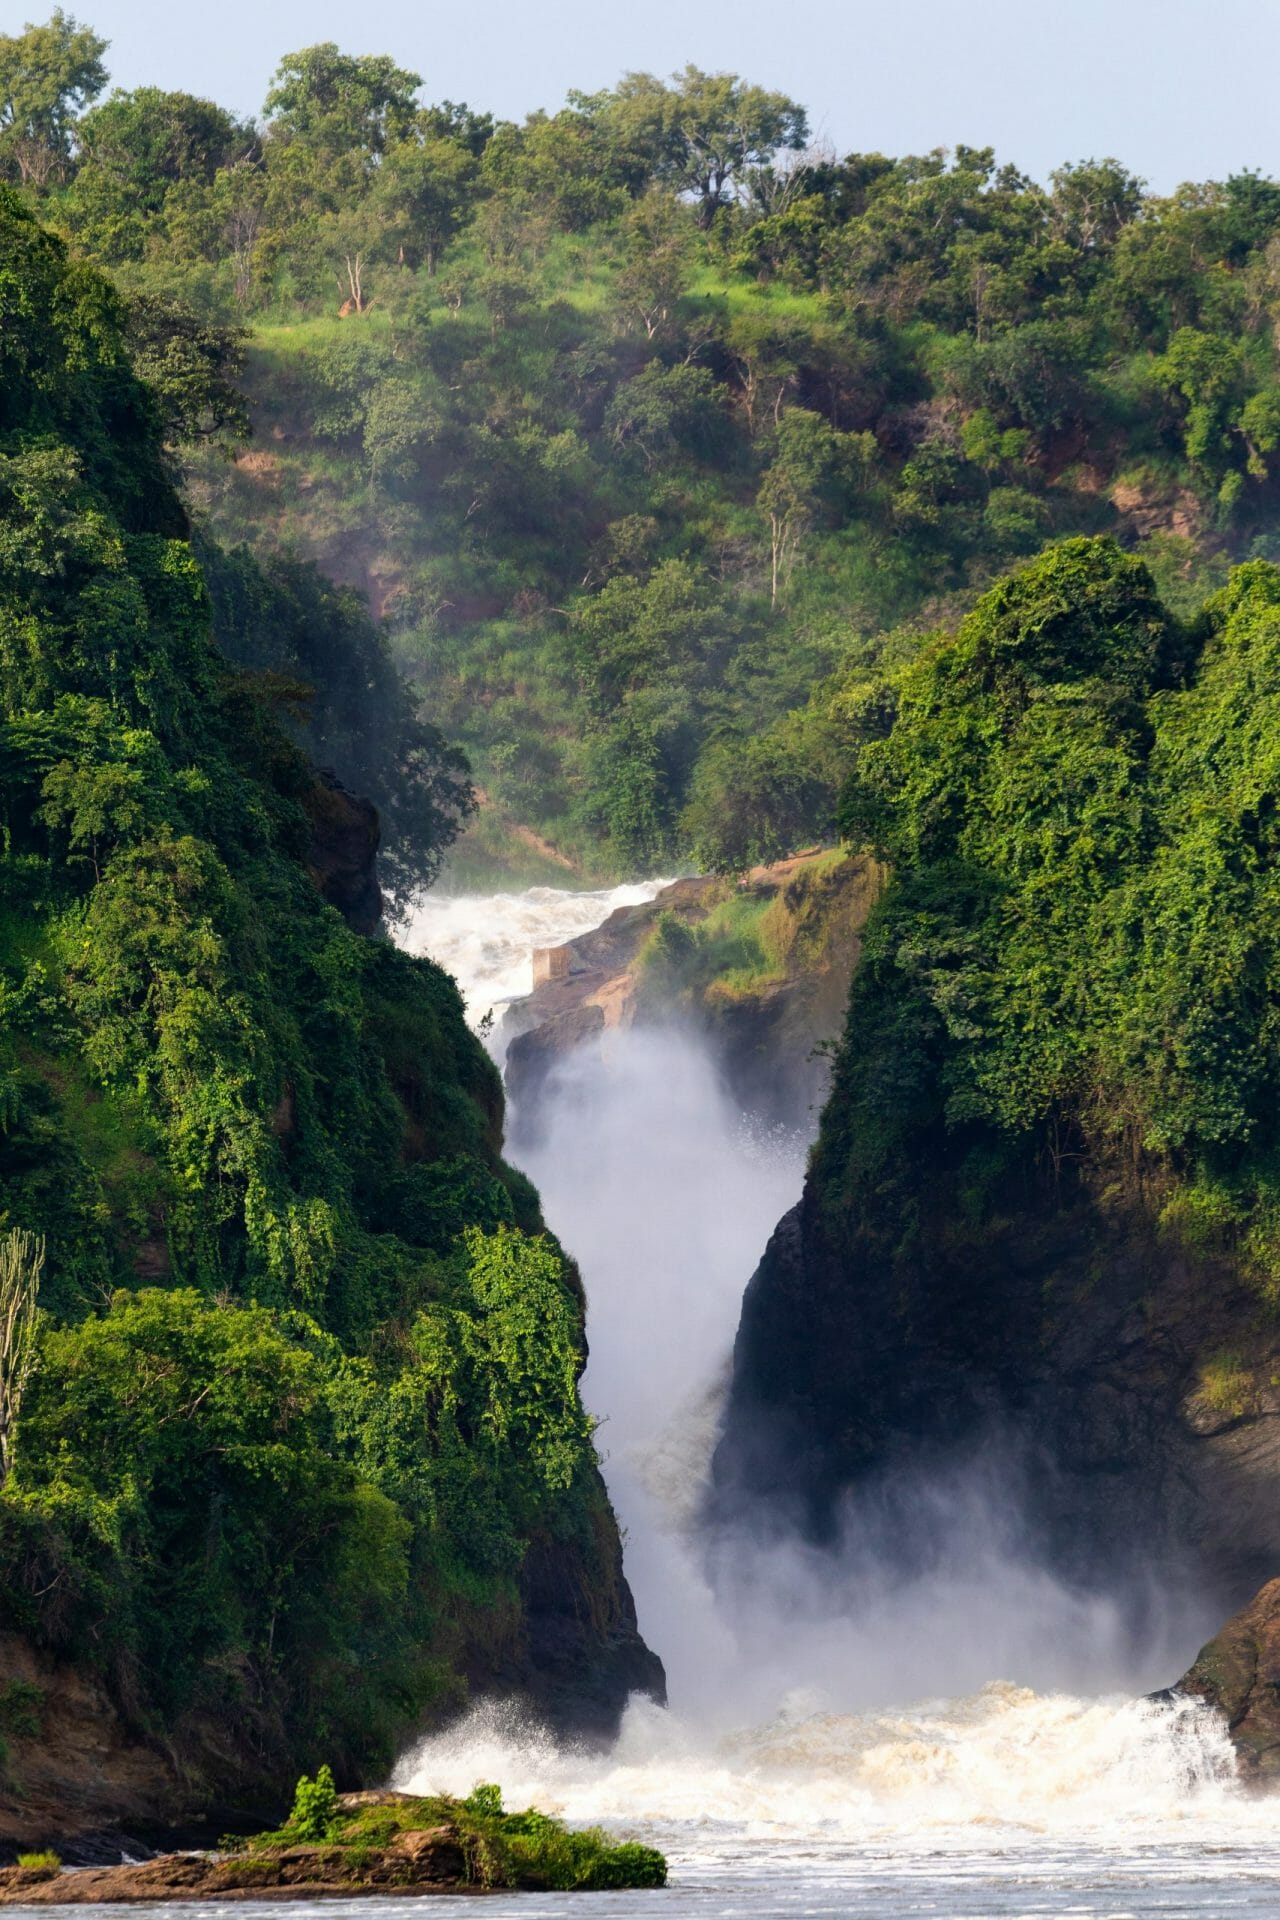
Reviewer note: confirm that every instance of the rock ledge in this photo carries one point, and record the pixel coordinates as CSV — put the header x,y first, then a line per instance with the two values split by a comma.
x,y
426,1861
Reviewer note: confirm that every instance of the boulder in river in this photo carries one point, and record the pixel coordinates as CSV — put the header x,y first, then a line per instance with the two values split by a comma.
x,y
1239,1673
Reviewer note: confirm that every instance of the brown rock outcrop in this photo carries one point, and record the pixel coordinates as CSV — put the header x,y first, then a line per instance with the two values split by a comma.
x,y
426,1861
78,1768
763,1035
1239,1673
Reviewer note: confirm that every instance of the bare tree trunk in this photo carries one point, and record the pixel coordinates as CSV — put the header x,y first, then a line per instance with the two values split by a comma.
x,y
354,263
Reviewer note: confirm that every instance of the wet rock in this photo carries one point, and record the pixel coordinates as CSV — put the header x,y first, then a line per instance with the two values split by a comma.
x,y
1239,1673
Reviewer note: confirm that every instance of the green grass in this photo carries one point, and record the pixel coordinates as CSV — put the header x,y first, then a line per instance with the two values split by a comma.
x,y
741,294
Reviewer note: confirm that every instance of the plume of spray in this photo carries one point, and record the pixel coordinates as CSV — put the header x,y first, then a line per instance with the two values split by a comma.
x,y
789,1666
649,1174
665,1196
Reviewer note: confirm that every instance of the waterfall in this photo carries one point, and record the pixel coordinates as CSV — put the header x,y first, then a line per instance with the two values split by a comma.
x,y
814,1698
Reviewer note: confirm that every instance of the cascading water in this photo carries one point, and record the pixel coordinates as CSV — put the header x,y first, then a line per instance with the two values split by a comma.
x,y
791,1774
487,941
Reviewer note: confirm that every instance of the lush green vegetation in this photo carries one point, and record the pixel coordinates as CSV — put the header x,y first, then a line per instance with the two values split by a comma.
x,y
528,1849
750,937
1077,958
650,431
305,1382
688,476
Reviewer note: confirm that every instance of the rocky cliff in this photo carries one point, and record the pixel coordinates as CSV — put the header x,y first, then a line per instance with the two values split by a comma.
x,y
1239,1673
1127,1380
759,968
1038,1223
289,1475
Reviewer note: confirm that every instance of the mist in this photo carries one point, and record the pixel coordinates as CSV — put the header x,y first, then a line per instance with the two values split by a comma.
x,y
934,1586
823,1704
924,1688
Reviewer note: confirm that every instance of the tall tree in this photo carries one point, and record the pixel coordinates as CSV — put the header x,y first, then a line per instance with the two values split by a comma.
x,y
149,139
704,132
426,188
133,150
48,75
341,101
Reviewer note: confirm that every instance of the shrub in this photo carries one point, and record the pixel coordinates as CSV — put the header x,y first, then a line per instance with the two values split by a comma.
x,y
315,1807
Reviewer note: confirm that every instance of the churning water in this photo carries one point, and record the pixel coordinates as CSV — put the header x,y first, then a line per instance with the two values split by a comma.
x,y
486,941
966,1745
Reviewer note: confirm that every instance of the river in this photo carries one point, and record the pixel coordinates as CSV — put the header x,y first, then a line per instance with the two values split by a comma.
x,y
966,1745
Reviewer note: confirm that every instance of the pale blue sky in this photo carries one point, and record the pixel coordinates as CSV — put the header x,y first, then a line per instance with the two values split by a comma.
x,y
1179,89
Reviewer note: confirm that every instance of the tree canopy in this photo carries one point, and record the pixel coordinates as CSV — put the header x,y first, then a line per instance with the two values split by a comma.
x,y
511,381
48,74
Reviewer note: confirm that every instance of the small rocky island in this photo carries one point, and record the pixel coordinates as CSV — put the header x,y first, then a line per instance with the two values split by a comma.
x,y
355,1845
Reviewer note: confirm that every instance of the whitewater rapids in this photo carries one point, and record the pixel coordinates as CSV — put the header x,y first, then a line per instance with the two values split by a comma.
x,y
487,941
1003,1803
1006,1764
835,1745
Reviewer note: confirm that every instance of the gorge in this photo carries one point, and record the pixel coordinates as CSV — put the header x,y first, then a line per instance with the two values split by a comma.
x,y
639,1007
790,1763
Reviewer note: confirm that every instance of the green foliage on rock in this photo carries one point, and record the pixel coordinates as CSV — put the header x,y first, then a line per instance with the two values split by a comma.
x,y
327,670
500,1849
305,1385
1076,956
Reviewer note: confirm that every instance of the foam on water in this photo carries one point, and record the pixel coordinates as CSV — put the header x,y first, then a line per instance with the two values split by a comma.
x,y
487,941
1001,1767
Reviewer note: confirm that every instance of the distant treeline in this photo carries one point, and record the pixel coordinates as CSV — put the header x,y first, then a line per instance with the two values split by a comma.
x,y
653,430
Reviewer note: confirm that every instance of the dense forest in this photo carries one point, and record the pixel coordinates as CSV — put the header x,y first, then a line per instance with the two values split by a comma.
x,y
649,430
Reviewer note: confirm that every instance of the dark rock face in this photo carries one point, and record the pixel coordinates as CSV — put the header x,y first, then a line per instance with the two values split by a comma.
x,y
1132,1379
1239,1673
585,1657
532,1055
343,854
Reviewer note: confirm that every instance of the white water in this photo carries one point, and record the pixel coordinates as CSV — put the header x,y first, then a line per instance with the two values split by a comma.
x,y
797,1770
486,941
